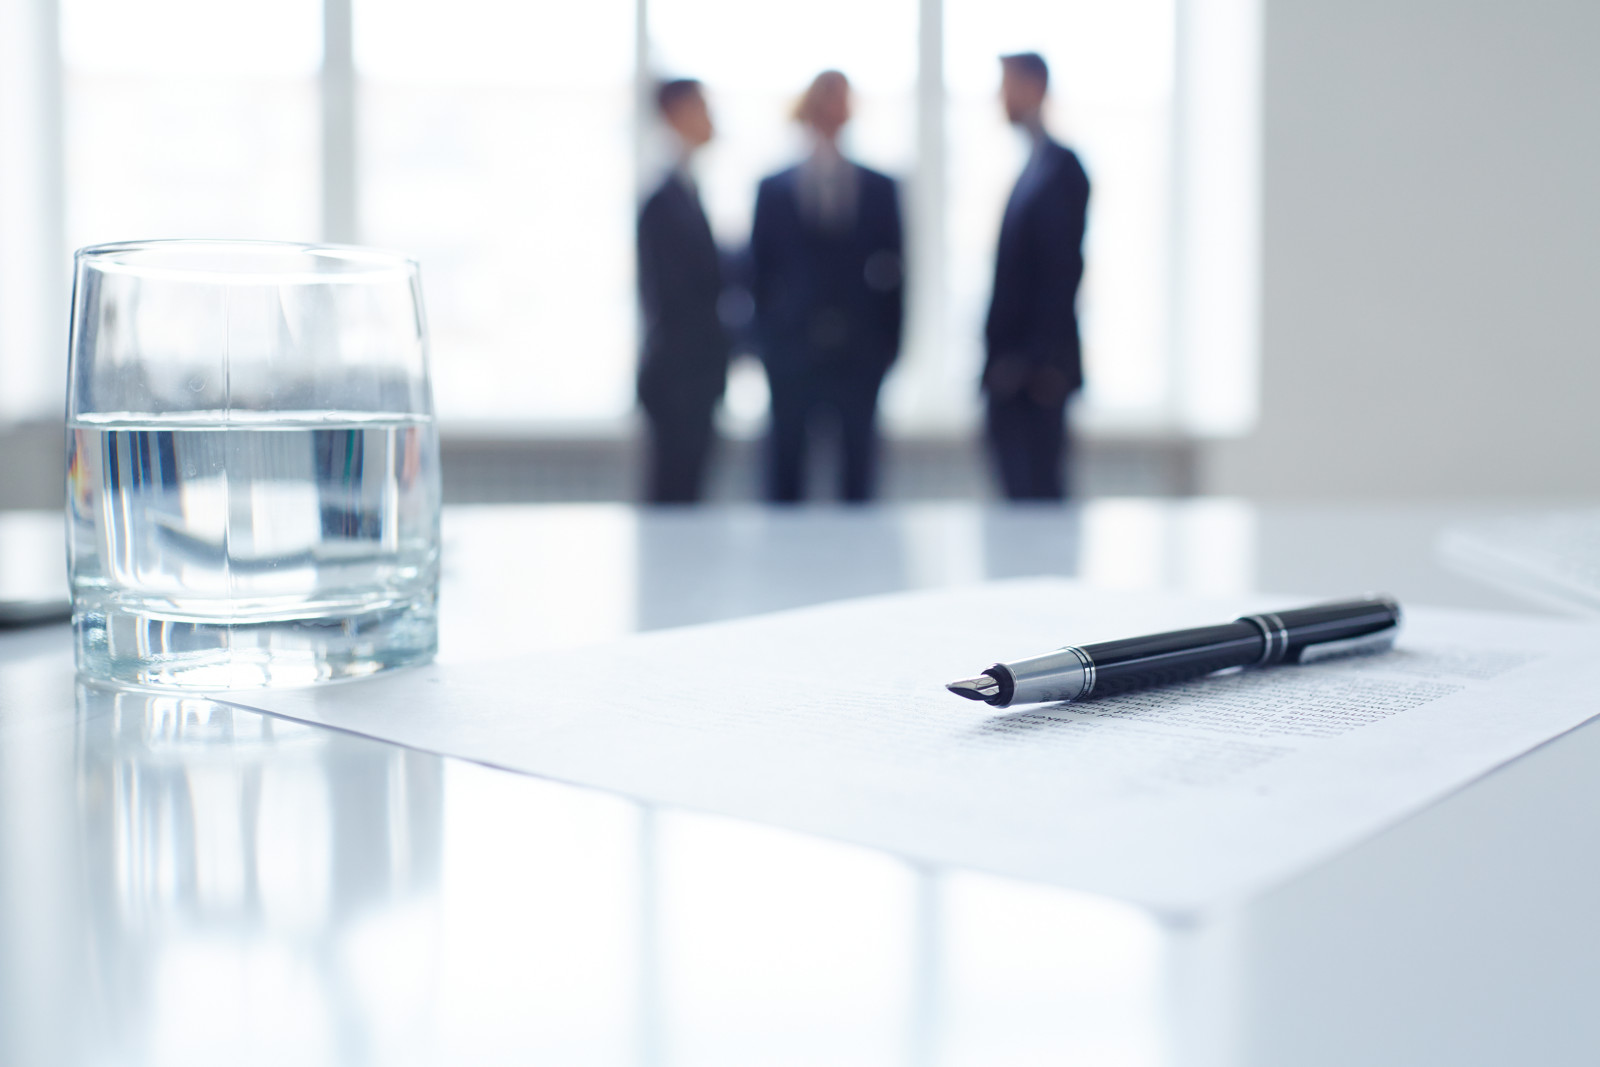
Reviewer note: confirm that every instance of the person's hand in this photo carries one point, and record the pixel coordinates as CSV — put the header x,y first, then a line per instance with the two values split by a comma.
x,y
1006,377
1048,386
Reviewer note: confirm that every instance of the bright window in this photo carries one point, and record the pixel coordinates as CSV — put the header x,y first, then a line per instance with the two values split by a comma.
x,y
505,145
189,118
496,146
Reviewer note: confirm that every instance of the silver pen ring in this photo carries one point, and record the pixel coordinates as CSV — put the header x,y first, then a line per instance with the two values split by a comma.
x,y
1088,671
1282,634
1273,632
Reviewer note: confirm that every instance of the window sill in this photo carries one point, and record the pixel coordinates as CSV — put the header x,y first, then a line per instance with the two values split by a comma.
x,y
1110,425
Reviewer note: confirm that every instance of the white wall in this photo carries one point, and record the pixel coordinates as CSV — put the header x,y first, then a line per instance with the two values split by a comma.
x,y
1431,258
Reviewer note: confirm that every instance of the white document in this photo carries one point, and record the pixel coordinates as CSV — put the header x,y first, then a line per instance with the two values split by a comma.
x,y
834,720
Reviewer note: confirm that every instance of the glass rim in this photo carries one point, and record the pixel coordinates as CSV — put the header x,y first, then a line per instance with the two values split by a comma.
x,y
367,264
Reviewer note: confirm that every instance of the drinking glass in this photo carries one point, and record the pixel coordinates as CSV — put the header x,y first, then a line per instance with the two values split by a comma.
x,y
252,464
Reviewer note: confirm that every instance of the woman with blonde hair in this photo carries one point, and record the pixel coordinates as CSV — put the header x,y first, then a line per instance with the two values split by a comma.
x,y
826,253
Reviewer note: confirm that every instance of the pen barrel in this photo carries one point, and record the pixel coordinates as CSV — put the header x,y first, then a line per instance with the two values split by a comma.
x,y
1297,636
1161,659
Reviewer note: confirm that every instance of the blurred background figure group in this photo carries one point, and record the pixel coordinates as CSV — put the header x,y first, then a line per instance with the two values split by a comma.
x,y
825,270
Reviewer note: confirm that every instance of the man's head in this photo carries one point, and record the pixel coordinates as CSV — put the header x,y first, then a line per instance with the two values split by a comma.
x,y
825,107
1024,80
682,104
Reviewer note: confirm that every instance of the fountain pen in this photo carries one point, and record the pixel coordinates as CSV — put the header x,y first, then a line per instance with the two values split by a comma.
x,y
1368,624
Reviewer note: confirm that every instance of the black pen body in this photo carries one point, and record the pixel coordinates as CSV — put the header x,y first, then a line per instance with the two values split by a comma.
x,y
1108,667
1161,659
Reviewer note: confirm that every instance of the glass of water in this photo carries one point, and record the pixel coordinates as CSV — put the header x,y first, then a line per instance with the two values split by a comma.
x,y
252,464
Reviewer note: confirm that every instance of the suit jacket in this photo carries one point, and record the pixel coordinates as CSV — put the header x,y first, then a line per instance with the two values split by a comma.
x,y
1033,315
685,352
825,296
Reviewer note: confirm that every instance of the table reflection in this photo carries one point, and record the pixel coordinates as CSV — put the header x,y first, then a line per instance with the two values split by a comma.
x,y
262,891
247,880
565,576
182,882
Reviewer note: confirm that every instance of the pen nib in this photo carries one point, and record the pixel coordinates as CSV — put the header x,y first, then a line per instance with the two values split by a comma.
x,y
980,688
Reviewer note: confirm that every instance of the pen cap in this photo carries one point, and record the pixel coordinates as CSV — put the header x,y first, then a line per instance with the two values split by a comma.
x,y
1301,634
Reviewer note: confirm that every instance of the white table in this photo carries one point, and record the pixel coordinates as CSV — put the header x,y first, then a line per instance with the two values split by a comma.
x,y
181,882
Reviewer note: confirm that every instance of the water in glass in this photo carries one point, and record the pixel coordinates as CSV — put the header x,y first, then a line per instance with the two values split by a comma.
x,y
280,549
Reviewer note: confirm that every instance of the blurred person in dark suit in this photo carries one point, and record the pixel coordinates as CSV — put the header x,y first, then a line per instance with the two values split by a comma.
x,y
683,367
825,260
1034,358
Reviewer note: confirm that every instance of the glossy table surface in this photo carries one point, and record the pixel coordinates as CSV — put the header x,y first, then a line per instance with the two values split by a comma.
x,y
186,883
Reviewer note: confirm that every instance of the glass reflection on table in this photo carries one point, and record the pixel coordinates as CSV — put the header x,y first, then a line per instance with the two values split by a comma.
x,y
249,881
264,891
